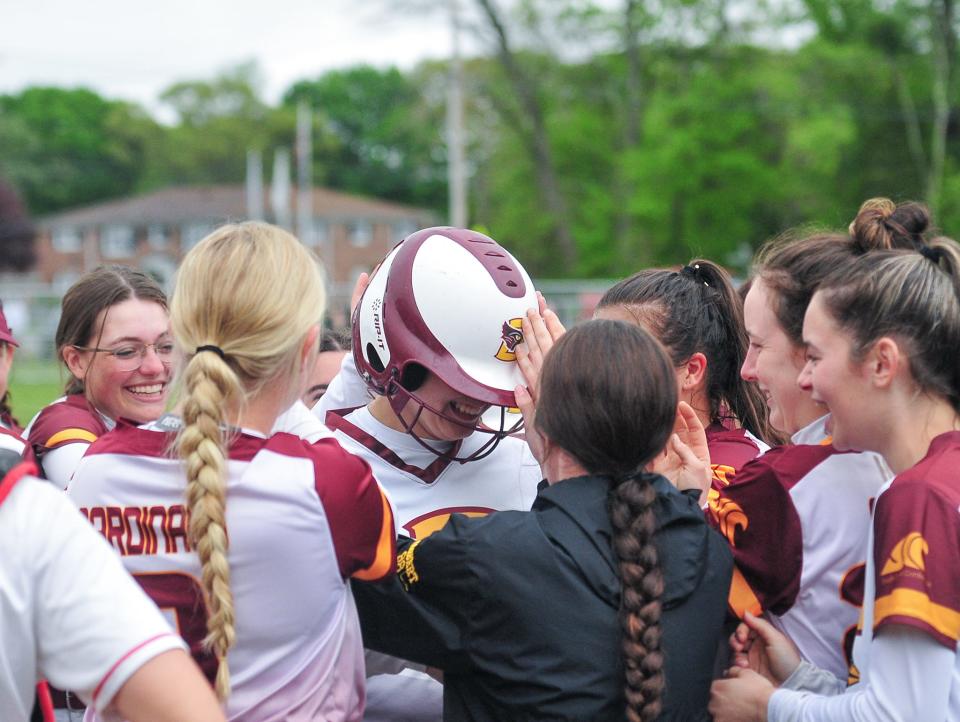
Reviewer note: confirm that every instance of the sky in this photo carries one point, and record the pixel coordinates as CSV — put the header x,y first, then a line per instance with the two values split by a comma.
x,y
131,49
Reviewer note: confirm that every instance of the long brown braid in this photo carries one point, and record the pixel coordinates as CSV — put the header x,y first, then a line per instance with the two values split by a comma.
x,y
631,514
614,423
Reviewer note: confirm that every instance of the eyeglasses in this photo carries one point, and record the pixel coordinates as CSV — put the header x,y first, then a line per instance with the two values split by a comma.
x,y
130,356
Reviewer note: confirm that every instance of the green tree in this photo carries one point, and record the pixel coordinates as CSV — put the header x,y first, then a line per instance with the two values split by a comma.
x,y
71,146
380,132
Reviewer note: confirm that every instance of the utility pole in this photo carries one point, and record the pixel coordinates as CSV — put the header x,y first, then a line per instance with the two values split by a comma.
x,y
457,164
305,230
254,185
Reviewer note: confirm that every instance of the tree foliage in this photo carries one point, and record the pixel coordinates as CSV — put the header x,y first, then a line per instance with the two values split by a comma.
x,y
641,133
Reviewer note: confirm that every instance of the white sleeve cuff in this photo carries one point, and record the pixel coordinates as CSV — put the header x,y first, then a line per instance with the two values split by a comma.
x,y
810,678
129,663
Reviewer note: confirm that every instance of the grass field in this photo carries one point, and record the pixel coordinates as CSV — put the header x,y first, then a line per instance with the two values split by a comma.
x,y
34,384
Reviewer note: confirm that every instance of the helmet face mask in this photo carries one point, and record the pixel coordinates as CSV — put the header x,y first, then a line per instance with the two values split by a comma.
x,y
400,401
451,301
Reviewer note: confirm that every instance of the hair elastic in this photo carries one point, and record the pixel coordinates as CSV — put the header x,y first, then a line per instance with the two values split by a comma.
x,y
932,254
214,349
693,272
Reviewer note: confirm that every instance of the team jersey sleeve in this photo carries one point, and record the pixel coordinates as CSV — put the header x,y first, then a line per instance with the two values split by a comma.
x,y
358,511
11,441
422,613
757,517
729,451
65,422
917,562
910,679
95,626
59,464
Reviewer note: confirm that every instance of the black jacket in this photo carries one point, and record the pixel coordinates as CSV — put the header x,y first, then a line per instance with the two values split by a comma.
x,y
520,608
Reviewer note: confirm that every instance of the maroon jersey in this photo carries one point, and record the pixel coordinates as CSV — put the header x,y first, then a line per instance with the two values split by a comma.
x,y
730,449
68,420
916,546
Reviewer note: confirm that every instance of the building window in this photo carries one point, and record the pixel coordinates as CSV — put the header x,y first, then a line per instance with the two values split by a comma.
x,y
66,239
117,241
192,233
360,233
157,237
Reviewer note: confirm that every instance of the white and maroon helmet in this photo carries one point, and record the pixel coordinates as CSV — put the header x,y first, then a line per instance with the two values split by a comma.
x,y
451,301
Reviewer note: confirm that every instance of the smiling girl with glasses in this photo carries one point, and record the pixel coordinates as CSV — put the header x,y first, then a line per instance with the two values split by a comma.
x,y
114,339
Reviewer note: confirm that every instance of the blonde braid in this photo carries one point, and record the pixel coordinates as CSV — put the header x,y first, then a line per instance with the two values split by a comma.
x,y
208,384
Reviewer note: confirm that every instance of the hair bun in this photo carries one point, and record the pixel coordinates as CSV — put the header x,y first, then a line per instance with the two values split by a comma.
x,y
881,223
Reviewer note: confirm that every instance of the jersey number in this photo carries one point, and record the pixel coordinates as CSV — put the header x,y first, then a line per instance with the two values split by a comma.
x,y
181,594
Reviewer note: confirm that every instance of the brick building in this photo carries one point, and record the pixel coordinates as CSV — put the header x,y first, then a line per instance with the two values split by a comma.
x,y
152,232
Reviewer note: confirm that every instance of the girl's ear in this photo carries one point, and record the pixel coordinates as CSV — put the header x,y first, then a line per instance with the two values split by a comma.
x,y
310,344
694,371
884,361
75,362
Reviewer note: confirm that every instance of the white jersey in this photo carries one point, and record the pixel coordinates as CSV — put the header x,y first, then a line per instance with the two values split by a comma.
x,y
425,489
300,421
69,613
302,519
797,519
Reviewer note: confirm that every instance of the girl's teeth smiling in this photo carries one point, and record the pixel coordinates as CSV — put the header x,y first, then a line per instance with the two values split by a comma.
x,y
466,409
146,389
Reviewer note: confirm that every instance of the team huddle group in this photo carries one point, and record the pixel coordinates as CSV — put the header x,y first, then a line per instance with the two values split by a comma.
x,y
706,502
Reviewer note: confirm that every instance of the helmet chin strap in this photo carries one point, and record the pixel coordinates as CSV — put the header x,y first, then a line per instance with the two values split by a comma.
x,y
399,398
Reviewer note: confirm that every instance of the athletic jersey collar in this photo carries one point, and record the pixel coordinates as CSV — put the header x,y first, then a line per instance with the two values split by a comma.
x,y
813,434
394,447
172,423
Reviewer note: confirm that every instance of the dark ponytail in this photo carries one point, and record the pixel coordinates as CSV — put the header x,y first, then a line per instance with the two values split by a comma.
x,y
697,309
614,423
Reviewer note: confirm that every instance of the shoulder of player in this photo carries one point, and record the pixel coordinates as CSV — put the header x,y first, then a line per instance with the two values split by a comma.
x,y
786,464
128,439
731,447
935,477
329,458
67,420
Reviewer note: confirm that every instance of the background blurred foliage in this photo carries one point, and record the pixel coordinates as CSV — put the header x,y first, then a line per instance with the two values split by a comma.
x,y
667,128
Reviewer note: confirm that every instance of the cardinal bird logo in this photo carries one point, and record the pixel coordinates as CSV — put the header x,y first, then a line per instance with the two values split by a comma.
x,y
510,338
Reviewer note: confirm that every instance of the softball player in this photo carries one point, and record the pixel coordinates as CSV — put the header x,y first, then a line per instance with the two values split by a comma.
x,y
876,337
434,340
697,315
114,339
797,516
247,540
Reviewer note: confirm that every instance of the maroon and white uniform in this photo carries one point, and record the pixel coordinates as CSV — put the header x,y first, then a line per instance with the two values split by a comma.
x,y
912,594
60,434
302,520
12,441
730,448
797,520
69,613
